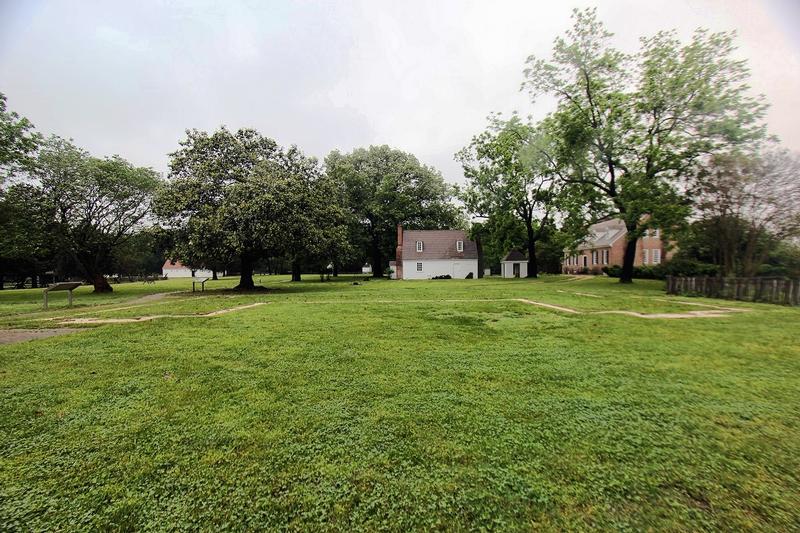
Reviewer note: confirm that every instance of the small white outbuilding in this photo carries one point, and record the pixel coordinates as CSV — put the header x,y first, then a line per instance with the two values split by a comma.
x,y
514,265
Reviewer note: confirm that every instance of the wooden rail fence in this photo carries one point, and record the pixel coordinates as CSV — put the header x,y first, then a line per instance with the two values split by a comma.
x,y
771,290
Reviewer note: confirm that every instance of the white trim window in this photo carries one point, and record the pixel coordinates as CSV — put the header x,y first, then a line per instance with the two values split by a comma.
x,y
656,233
459,246
605,257
656,256
419,246
594,257
419,267
645,257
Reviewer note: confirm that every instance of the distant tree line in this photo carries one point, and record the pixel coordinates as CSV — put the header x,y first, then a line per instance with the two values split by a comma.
x,y
668,137
232,201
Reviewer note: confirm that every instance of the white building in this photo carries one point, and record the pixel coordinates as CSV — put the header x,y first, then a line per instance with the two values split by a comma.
x,y
424,254
176,269
514,265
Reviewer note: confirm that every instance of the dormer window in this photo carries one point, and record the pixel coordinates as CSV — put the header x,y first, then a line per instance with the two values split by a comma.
x,y
459,246
419,246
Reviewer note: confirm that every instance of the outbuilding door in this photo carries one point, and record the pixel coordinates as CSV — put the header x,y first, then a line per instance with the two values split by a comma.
x,y
516,270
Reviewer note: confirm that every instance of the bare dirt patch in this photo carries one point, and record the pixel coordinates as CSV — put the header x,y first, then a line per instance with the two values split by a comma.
x,y
154,317
10,336
713,312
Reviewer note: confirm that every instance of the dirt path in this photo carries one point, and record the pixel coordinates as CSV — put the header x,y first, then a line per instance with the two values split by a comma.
x,y
154,317
9,336
713,311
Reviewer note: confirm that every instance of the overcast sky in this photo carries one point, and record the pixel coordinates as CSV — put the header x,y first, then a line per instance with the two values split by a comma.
x,y
129,77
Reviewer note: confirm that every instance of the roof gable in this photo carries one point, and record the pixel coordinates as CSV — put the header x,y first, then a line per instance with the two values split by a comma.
x,y
604,234
173,264
437,244
515,255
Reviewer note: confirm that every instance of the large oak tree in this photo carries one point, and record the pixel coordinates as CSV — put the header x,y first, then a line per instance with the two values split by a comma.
x,y
633,129
98,204
238,194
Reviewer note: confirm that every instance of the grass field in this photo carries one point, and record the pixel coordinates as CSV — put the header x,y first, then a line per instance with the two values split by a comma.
x,y
452,404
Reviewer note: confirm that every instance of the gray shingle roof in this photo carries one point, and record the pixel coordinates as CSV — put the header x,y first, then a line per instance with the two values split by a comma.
x,y
603,234
515,255
437,244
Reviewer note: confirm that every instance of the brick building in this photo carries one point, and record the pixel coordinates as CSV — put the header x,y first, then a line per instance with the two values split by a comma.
x,y
605,247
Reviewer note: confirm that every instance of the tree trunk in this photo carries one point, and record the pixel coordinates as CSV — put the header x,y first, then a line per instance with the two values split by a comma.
x,y
627,261
34,281
296,274
335,269
214,275
479,246
533,265
377,259
246,275
101,284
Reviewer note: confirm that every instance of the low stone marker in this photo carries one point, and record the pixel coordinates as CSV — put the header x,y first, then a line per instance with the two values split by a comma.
x,y
68,286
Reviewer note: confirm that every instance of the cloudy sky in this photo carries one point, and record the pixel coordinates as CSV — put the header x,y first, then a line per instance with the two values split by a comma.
x,y
128,78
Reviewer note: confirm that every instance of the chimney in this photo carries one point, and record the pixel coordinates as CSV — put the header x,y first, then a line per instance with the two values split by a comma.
x,y
398,265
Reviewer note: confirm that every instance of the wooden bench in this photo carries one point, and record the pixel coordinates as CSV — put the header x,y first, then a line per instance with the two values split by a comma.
x,y
201,282
68,286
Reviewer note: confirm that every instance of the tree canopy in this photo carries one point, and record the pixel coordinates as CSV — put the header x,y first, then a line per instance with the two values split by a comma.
x,y
507,171
238,194
632,130
18,142
383,187
98,204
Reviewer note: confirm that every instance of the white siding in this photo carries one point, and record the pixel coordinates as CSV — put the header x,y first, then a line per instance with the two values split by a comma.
x,y
185,273
508,269
458,268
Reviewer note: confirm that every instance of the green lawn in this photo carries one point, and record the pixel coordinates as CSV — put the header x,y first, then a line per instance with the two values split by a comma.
x,y
400,405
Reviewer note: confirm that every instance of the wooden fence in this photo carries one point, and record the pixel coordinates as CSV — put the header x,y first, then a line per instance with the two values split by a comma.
x,y
771,290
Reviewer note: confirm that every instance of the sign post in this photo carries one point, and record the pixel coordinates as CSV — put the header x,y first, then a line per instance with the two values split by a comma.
x,y
68,286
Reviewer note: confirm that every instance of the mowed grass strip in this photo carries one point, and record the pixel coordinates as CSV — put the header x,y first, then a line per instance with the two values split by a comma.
x,y
358,415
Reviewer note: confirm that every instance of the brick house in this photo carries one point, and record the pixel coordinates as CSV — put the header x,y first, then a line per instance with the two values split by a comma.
x,y
423,254
605,247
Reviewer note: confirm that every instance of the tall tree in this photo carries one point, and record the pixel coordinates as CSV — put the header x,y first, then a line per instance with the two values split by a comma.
x,y
241,195
210,198
747,205
384,187
18,142
633,129
507,172
99,204
28,243
313,218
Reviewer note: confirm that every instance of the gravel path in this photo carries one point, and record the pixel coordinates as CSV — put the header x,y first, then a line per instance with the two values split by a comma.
x,y
9,336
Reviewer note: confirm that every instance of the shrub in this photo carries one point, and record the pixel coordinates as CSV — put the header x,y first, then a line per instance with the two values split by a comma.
x,y
675,267
445,276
